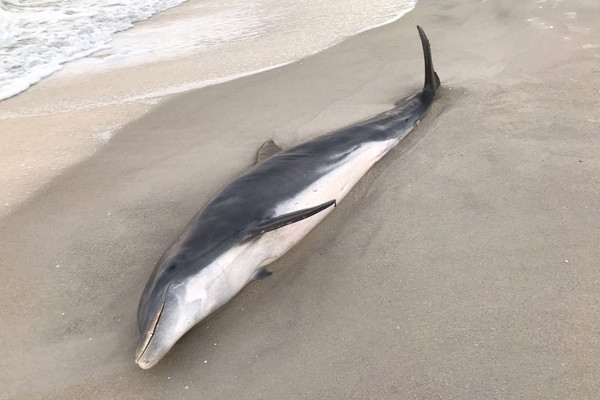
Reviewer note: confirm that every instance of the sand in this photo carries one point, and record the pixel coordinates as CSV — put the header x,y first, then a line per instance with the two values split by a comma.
x,y
464,264
67,117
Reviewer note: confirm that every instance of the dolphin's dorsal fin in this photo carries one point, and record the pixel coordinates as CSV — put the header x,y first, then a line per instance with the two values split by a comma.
x,y
282,220
268,149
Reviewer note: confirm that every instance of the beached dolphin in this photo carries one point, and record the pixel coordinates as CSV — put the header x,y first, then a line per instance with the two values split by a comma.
x,y
258,217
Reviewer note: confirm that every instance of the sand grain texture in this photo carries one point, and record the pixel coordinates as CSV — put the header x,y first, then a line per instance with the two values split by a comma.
x,y
464,265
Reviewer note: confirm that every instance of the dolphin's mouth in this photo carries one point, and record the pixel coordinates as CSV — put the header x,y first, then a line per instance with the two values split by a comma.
x,y
150,332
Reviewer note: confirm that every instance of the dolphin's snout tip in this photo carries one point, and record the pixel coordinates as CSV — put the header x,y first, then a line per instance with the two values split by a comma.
x,y
143,357
144,364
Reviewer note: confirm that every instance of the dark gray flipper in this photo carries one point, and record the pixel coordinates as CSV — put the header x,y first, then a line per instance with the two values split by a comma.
x,y
262,273
268,149
286,219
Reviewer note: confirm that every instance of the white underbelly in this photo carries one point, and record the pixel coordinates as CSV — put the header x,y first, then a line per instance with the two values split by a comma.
x,y
333,185
229,273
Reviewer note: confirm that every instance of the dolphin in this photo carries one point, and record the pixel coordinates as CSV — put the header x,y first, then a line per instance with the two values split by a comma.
x,y
258,217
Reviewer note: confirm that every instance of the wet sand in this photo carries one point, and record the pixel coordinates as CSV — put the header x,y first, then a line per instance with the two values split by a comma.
x,y
463,265
66,118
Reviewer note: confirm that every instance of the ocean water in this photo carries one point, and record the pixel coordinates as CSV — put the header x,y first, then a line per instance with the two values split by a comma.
x,y
37,37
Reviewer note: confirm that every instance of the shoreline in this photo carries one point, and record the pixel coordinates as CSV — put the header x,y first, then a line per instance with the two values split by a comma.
x,y
67,117
461,266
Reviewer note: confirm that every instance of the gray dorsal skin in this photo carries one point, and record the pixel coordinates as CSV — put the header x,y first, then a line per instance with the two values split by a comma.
x,y
268,149
258,217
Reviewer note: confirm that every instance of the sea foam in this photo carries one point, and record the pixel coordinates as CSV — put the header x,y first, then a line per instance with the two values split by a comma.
x,y
38,37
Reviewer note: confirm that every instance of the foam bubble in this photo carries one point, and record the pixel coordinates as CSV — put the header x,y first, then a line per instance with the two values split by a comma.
x,y
38,37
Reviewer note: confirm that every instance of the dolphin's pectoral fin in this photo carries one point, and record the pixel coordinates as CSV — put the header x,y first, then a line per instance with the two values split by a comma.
x,y
286,219
268,149
262,273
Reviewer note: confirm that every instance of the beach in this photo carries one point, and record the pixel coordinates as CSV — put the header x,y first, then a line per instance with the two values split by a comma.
x,y
68,116
463,265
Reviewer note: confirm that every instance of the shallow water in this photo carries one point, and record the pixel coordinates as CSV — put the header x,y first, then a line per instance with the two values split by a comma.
x,y
38,37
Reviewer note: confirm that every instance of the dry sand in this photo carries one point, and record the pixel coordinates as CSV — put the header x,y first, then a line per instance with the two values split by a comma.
x,y
464,265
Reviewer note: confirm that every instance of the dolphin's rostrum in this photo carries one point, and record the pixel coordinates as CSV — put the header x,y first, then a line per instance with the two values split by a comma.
x,y
258,217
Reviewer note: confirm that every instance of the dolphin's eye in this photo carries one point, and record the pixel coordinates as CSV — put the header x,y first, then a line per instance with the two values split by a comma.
x,y
172,267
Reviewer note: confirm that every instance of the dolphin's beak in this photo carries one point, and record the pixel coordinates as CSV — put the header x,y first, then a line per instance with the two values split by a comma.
x,y
145,341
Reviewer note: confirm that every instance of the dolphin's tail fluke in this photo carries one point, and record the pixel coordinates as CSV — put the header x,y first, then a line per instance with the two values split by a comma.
x,y
432,81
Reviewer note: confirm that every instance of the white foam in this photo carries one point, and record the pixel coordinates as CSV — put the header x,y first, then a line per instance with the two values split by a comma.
x,y
38,38
104,135
210,26
185,35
